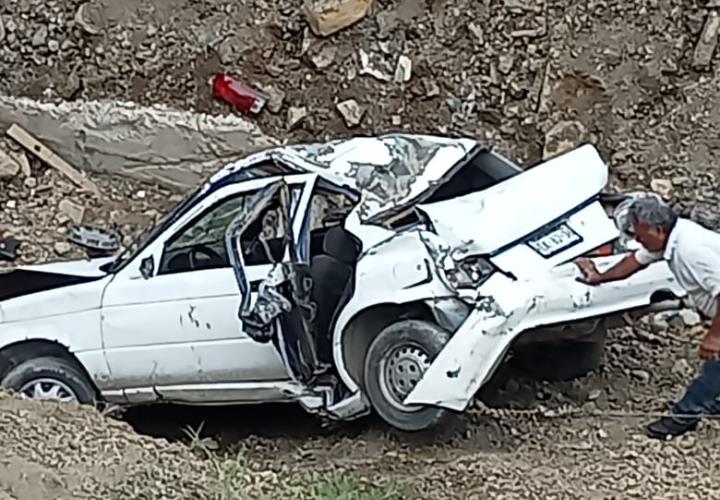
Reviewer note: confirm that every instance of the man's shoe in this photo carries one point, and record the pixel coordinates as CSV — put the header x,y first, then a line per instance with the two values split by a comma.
x,y
671,427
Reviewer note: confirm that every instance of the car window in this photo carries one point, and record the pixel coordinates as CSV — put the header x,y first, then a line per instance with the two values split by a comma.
x,y
201,244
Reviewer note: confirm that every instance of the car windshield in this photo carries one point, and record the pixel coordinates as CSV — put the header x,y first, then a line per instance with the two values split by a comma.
x,y
148,236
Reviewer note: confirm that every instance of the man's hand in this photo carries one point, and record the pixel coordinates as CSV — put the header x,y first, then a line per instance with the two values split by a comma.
x,y
710,347
590,273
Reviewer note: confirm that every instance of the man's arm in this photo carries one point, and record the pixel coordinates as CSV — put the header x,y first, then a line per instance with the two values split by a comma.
x,y
629,265
710,347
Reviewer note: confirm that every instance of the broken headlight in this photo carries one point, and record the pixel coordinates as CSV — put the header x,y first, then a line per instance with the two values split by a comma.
x,y
469,272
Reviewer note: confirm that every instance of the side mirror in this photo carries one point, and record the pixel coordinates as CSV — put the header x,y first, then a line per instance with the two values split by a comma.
x,y
147,266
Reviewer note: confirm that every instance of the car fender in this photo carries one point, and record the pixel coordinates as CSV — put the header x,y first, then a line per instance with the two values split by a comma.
x,y
397,271
78,332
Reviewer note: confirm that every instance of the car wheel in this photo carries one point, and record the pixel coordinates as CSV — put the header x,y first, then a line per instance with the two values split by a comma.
x,y
565,360
394,364
50,378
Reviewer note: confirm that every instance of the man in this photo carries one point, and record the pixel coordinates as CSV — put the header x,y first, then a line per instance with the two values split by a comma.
x,y
693,254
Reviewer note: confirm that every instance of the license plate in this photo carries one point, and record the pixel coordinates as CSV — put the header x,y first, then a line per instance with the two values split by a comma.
x,y
552,243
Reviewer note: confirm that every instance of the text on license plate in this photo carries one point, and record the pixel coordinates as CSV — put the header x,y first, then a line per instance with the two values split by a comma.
x,y
555,241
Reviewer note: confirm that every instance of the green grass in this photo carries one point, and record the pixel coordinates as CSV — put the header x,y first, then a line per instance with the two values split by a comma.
x,y
232,478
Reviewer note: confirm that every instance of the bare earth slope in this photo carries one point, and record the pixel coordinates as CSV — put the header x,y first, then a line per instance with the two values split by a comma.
x,y
506,70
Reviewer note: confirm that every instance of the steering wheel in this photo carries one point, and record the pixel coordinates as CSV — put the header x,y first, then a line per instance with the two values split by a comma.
x,y
208,252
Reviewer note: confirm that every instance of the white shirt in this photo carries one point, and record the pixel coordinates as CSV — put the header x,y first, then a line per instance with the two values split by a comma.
x,y
693,255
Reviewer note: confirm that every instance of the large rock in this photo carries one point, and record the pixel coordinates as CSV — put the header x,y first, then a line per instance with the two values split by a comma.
x,y
326,17
175,148
9,167
705,47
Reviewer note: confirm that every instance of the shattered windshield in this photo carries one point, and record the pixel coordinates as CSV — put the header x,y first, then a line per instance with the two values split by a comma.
x,y
388,171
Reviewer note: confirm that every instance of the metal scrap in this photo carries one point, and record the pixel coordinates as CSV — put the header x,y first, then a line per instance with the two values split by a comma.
x,y
96,241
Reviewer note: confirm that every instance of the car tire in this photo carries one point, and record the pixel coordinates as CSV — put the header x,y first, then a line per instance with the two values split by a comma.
x,y
402,346
565,360
45,377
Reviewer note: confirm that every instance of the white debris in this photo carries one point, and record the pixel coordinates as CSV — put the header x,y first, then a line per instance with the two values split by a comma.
x,y
663,187
295,115
477,32
642,375
690,317
39,39
9,166
72,210
324,57
351,112
702,55
403,70
86,19
62,248
505,63
275,97
368,67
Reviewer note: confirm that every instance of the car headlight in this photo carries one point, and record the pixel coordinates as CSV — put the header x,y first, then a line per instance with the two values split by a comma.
x,y
470,272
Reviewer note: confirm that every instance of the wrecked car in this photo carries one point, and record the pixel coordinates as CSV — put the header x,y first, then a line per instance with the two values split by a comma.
x,y
390,273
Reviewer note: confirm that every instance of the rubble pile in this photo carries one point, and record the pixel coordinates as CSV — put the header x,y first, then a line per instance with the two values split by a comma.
x,y
68,451
638,79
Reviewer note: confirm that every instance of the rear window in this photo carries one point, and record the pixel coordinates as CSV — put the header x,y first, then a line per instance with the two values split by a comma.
x,y
485,169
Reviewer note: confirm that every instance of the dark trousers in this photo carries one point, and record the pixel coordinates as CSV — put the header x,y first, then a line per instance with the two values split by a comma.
x,y
702,394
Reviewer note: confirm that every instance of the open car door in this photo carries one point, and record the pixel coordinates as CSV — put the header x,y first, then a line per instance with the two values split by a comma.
x,y
281,311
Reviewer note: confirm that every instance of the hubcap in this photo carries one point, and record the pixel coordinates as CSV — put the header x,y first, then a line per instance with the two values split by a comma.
x,y
47,389
400,371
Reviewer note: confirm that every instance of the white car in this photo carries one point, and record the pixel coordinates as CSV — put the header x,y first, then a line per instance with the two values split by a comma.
x,y
391,273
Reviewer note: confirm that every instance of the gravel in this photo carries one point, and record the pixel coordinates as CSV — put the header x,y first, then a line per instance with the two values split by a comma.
x,y
529,77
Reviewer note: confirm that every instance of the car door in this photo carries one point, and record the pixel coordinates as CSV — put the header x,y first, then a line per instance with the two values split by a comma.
x,y
284,311
170,317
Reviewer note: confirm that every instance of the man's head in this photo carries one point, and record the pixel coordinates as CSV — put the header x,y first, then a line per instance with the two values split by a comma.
x,y
652,220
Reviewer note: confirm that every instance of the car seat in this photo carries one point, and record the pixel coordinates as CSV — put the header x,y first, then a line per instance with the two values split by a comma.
x,y
333,275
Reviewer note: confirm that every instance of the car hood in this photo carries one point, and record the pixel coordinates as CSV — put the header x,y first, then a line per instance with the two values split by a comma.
x,y
26,280
83,267
390,172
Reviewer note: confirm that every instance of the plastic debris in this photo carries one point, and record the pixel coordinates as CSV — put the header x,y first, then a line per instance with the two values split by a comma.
x,y
97,241
241,97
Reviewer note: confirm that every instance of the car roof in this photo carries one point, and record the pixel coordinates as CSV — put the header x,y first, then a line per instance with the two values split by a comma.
x,y
388,171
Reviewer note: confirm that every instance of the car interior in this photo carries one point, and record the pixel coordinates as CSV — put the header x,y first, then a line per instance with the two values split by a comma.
x,y
201,245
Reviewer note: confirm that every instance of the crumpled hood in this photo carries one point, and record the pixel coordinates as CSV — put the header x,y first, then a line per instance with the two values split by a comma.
x,y
27,280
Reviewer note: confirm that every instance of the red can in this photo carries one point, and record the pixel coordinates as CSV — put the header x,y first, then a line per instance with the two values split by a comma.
x,y
241,97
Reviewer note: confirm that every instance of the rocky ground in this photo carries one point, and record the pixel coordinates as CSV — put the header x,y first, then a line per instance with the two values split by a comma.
x,y
525,75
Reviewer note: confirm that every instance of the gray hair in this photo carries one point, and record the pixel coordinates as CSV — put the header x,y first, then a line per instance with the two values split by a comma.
x,y
652,211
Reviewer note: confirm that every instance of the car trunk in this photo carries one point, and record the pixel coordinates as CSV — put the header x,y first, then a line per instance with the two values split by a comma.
x,y
532,222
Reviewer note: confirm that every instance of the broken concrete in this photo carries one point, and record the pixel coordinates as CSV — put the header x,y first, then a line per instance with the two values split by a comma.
x,y
326,17
351,112
295,115
9,167
707,42
175,148
72,210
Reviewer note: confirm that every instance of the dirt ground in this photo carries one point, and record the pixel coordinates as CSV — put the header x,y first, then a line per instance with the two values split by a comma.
x,y
506,70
